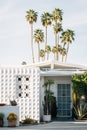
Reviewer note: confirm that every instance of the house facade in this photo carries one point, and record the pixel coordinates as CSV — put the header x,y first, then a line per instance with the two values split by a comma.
x,y
25,85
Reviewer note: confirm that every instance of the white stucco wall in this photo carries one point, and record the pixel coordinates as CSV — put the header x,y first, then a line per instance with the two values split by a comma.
x,y
25,92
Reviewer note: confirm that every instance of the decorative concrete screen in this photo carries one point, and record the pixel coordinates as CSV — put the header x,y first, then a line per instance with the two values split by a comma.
x,y
22,85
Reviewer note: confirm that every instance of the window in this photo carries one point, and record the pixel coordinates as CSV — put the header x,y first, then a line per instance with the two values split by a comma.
x,y
27,79
19,94
19,87
26,95
26,87
19,79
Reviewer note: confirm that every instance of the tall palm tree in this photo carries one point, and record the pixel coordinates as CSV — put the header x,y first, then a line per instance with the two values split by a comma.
x,y
46,20
48,50
67,38
54,50
63,53
42,53
59,51
39,38
57,18
31,17
57,29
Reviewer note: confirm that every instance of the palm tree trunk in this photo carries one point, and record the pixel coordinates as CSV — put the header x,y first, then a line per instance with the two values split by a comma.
x,y
38,52
46,38
56,56
47,55
67,52
57,45
56,40
32,43
62,58
46,43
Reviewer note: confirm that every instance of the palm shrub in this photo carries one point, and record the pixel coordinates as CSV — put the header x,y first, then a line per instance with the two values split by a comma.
x,y
48,97
80,96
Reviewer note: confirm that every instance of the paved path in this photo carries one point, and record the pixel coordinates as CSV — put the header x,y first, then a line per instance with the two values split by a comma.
x,y
56,125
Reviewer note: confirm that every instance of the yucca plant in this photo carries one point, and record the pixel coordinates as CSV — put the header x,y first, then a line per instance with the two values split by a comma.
x,y
80,112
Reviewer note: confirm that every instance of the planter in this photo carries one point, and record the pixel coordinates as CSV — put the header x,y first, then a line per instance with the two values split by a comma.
x,y
12,123
47,118
1,122
2,104
7,110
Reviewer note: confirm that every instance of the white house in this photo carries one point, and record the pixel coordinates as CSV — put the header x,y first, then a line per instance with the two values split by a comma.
x,y
24,84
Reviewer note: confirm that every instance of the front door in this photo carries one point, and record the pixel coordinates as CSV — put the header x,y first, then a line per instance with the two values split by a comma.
x,y
64,100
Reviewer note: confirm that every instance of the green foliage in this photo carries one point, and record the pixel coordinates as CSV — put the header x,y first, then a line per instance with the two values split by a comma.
x,y
23,63
31,16
29,120
12,116
1,115
66,37
80,95
80,112
13,102
80,84
48,98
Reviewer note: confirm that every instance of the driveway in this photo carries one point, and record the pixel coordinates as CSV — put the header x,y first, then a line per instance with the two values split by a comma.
x,y
55,125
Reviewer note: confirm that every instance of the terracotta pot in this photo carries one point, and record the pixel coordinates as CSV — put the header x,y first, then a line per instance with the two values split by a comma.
x,y
12,123
1,122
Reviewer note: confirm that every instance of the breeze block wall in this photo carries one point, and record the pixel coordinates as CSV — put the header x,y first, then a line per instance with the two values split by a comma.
x,y
22,85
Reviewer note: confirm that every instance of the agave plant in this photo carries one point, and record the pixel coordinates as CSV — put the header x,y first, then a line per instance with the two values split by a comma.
x,y
80,112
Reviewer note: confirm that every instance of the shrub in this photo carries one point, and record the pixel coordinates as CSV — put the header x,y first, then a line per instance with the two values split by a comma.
x,y
29,120
12,116
1,115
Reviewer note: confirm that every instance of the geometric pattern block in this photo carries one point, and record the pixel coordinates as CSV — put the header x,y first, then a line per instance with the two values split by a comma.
x,y
21,84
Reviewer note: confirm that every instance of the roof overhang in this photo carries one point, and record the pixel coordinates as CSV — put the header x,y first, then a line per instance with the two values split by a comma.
x,y
51,64
61,73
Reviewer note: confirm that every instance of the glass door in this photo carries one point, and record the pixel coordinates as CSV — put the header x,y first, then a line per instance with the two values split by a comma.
x,y
64,100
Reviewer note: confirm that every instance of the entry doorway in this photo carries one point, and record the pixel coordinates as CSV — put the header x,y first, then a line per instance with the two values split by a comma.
x,y
64,104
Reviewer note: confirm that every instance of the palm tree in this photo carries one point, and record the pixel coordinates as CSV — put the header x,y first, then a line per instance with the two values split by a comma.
x,y
57,15
59,51
57,18
46,20
42,53
63,53
48,96
67,38
57,29
24,63
31,17
47,50
54,50
39,38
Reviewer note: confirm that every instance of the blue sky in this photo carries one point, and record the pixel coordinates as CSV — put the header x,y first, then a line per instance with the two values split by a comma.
x,y
15,31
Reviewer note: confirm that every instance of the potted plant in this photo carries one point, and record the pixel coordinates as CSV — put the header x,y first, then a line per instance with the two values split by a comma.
x,y
1,119
12,119
48,99
13,102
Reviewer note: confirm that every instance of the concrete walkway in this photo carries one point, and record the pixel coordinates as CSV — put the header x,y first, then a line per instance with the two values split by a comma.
x,y
55,125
